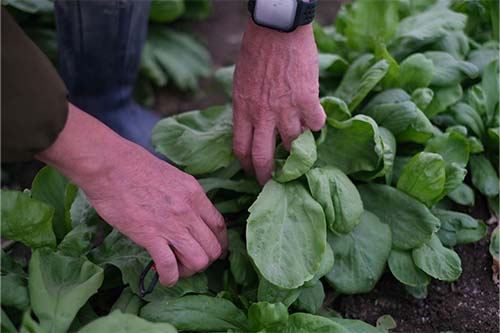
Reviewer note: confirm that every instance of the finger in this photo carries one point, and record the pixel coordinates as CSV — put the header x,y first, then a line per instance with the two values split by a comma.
x,y
190,253
165,261
242,141
206,238
214,221
289,131
185,272
315,118
264,141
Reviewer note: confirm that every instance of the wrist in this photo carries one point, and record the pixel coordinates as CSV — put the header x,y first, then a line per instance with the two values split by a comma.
x,y
86,149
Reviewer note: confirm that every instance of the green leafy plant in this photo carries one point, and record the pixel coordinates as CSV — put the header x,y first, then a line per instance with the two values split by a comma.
x,y
412,108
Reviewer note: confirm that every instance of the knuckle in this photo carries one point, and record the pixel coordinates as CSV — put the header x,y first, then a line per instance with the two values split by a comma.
x,y
214,250
200,262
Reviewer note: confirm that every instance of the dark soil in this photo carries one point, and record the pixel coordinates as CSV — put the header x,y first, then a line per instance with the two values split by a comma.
x,y
468,305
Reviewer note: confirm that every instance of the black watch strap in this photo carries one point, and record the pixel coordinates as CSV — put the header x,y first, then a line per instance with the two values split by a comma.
x,y
305,12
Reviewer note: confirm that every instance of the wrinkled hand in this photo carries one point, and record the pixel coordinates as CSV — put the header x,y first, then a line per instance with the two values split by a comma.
x,y
165,211
275,89
156,205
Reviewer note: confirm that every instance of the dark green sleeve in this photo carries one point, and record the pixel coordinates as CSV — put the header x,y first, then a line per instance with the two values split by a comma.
x,y
34,104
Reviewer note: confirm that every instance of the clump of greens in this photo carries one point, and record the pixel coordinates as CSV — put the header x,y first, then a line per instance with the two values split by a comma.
x,y
410,89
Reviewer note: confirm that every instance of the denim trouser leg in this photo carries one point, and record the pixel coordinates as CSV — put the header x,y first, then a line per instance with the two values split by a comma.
x,y
100,44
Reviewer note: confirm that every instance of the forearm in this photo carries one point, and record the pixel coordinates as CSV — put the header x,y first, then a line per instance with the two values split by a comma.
x,y
85,148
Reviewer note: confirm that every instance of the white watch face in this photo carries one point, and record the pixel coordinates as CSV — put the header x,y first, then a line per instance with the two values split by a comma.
x,y
279,14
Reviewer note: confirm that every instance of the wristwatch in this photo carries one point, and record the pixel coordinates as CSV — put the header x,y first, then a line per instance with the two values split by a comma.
x,y
282,15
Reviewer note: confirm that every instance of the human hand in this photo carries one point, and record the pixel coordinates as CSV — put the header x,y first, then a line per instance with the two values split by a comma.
x,y
275,89
156,205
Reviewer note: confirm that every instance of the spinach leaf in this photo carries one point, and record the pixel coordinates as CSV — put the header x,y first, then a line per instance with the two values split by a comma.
x,y
484,176
302,157
267,292
286,234
310,298
449,70
198,141
394,110
267,316
360,256
338,196
458,228
239,261
443,98
118,322
59,286
463,195
411,222
353,145
52,188
27,220
361,77
416,71
437,261
197,313
423,177
304,322
404,269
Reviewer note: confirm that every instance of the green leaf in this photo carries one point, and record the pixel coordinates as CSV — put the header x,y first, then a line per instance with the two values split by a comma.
x,y
443,98
437,261
28,324
338,196
355,326
165,11
425,28
78,241
59,286
361,77
27,220
484,176
6,324
128,302
331,65
369,22
419,292
463,195
404,269
449,70
32,7
484,55
267,316
490,87
52,188
267,292
176,55
423,177
327,38
394,110
386,323
198,141
465,115
495,243
301,159
197,9
389,147
458,228
310,298
224,76
324,268
249,186
14,291
422,97
118,322
335,108
452,146
304,322
197,313
286,234
360,256
352,145
416,71
239,261
455,43
411,222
